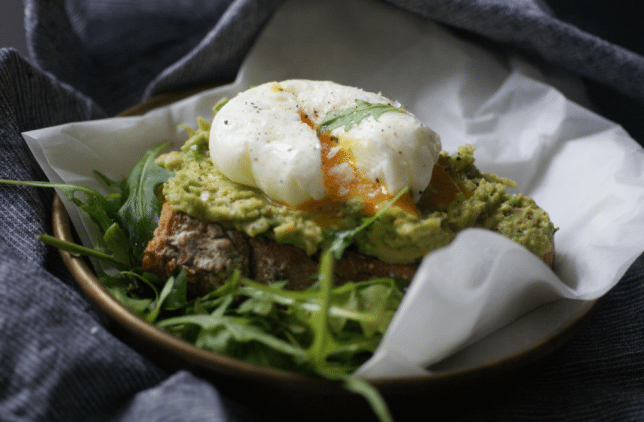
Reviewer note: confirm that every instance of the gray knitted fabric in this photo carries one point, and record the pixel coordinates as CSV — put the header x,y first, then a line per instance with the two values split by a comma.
x,y
94,58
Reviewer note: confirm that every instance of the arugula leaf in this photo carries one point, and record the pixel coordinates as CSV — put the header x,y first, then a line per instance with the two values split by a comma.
x,y
347,118
134,290
172,297
325,330
78,250
370,393
125,218
176,297
117,242
343,239
225,333
371,304
136,305
139,214
219,104
323,342
111,247
94,204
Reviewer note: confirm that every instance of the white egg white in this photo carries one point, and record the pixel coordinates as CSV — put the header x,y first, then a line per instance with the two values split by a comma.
x,y
259,139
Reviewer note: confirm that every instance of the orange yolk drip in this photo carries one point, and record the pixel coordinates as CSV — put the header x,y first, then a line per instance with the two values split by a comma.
x,y
343,180
445,185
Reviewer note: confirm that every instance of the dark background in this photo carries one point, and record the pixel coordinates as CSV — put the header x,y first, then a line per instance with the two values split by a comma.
x,y
618,22
12,26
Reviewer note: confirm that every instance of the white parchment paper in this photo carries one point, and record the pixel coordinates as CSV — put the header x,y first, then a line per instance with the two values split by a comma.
x,y
586,171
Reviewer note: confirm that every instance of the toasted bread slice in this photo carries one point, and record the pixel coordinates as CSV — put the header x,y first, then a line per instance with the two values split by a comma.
x,y
209,253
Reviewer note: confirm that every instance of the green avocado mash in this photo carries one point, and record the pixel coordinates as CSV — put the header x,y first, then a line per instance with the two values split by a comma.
x,y
201,191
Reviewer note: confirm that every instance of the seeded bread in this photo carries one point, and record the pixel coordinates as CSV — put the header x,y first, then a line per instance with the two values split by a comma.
x,y
209,253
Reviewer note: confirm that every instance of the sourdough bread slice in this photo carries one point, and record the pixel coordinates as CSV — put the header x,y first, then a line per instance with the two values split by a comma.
x,y
210,252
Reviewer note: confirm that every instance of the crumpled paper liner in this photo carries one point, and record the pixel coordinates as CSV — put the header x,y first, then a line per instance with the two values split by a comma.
x,y
583,169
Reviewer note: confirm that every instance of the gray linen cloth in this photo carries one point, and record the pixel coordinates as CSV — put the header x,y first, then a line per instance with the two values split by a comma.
x,y
94,58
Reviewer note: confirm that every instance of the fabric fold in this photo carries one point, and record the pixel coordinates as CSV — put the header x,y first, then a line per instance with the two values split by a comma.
x,y
94,58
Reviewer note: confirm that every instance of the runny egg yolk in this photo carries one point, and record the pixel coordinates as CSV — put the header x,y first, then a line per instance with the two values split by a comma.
x,y
344,180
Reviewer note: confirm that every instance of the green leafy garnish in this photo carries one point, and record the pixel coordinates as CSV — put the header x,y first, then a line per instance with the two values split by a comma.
x,y
139,214
343,239
125,217
348,117
79,250
326,330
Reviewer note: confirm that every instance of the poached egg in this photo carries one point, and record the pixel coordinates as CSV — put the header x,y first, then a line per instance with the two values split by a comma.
x,y
268,137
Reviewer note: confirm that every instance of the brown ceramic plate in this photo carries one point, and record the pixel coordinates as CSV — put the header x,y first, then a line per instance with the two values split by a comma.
x,y
471,372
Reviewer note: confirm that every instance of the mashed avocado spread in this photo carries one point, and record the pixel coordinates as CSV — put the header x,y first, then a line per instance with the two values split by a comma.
x,y
477,200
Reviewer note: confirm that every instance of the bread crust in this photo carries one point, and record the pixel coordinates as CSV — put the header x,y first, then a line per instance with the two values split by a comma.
x,y
210,252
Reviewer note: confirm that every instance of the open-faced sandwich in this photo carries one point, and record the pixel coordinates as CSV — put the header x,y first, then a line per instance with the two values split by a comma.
x,y
286,164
